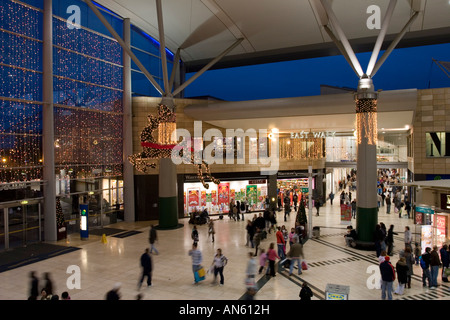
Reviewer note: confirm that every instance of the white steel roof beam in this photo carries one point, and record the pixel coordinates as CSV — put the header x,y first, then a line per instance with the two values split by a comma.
x,y
381,35
162,45
124,46
346,45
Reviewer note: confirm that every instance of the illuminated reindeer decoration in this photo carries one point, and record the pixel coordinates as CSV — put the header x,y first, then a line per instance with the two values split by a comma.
x,y
154,149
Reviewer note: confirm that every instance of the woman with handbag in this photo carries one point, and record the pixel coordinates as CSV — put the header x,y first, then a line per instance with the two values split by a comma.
x,y
219,262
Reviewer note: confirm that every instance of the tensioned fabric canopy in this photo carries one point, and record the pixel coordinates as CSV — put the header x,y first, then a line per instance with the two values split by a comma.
x,y
278,30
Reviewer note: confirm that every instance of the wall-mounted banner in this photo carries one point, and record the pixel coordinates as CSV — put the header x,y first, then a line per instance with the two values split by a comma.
x,y
437,144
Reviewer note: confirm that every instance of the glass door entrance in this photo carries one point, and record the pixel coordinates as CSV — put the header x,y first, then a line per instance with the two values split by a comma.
x,y
20,224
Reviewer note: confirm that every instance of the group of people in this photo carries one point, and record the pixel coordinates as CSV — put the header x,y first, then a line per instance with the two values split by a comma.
x,y
47,292
384,239
430,262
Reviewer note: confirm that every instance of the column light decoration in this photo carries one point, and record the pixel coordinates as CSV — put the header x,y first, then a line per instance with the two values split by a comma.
x,y
366,112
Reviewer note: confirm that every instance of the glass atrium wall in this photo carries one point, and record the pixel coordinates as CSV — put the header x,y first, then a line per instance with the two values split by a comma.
x,y
88,110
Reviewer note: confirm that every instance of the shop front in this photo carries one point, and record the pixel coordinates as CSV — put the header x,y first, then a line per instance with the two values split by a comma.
x,y
218,198
432,223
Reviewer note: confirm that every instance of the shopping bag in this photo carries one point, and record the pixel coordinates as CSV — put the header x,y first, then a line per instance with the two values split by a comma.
x,y
201,272
250,283
199,275
304,265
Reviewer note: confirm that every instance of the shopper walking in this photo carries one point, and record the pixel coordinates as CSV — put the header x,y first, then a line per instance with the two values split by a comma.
x,y
402,275
330,196
295,254
114,293
445,261
409,259
272,256
250,234
435,262
250,272
262,261
153,236
48,284
388,204
425,265
305,293
219,262
387,278
390,239
211,230
280,243
408,237
146,264
353,204
34,287
194,234
197,259
257,239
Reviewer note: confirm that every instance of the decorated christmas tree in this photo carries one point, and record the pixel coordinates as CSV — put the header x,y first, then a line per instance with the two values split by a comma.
x,y
301,214
60,222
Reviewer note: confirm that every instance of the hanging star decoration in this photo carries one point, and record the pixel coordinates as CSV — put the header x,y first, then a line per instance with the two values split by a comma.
x,y
160,145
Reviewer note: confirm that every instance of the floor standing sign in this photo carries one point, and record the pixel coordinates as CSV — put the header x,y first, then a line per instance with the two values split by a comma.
x,y
84,215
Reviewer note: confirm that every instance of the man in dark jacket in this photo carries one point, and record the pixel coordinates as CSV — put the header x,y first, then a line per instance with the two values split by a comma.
x,y
146,263
387,278
435,262
445,261
425,265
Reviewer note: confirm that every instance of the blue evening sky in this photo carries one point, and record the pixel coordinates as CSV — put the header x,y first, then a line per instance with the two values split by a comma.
x,y
404,69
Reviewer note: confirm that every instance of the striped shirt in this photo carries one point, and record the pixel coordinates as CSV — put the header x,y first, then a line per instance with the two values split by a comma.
x,y
196,257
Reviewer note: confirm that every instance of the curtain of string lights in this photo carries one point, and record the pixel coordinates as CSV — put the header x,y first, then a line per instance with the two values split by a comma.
x,y
87,97
20,92
88,102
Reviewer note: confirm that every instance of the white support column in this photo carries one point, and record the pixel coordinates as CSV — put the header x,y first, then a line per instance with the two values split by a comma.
x,y
48,146
128,171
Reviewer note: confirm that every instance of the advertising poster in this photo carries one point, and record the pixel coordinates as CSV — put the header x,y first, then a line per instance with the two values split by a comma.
x,y
427,237
224,193
441,230
252,194
346,214
193,199
214,197
208,197
184,200
233,194
203,199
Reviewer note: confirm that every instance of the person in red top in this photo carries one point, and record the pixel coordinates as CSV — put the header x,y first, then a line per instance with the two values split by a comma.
x,y
280,243
272,256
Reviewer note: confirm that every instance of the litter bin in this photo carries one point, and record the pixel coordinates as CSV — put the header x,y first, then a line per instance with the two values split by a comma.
x,y
336,292
316,232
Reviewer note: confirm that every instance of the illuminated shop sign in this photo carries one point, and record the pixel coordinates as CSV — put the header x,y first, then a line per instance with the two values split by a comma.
x,y
309,134
437,144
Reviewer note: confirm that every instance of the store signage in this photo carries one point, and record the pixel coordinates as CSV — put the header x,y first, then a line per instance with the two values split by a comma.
x,y
445,201
419,217
309,134
437,144
425,210
305,190
84,215
12,186
259,181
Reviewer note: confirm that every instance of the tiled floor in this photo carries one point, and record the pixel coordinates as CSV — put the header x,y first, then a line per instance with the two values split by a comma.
x,y
102,265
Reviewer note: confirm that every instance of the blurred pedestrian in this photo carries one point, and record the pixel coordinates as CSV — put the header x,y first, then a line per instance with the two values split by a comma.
x,y
34,288
114,293
146,264
153,237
